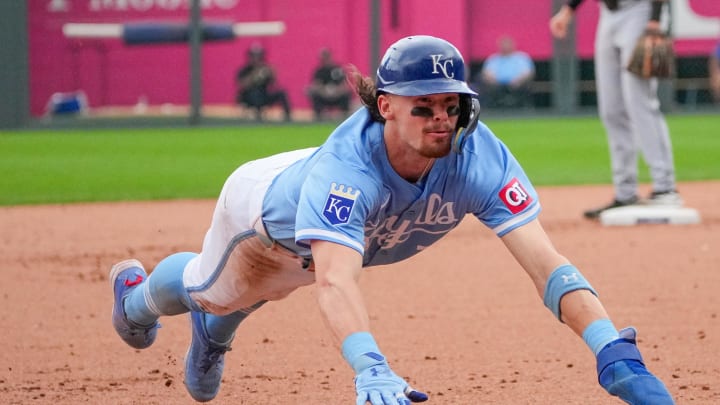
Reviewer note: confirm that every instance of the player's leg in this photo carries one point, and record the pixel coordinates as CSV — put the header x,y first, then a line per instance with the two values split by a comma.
x,y
216,281
140,299
643,107
318,105
255,98
220,295
612,107
127,277
212,336
238,271
280,97
344,103
163,293
652,131
613,116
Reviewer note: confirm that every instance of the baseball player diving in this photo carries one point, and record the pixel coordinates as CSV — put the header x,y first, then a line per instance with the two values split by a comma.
x,y
391,180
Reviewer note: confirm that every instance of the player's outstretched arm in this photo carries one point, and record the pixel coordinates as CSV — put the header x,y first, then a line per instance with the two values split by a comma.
x,y
620,367
337,270
571,298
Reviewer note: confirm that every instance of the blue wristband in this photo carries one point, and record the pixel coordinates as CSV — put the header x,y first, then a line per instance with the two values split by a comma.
x,y
360,351
566,278
599,333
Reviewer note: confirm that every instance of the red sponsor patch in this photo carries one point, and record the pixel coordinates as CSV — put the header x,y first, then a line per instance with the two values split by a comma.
x,y
515,197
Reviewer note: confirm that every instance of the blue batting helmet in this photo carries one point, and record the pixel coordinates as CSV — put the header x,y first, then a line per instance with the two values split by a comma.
x,y
420,65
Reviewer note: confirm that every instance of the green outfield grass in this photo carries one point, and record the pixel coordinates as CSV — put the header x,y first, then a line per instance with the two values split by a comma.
x,y
62,166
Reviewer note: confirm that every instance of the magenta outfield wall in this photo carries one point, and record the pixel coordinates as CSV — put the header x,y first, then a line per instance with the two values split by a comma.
x,y
112,73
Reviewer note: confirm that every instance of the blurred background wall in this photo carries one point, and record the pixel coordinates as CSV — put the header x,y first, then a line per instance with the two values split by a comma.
x,y
111,73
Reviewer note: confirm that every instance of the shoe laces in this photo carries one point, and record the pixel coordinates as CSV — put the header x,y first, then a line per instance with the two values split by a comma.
x,y
211,357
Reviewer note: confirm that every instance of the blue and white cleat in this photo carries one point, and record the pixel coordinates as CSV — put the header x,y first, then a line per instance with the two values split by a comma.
x,y
124,277
204,361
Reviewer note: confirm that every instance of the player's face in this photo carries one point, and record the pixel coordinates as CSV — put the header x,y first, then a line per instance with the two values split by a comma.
x,y
425,124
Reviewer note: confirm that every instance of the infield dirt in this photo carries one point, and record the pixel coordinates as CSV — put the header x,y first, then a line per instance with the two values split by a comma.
x,y
461,321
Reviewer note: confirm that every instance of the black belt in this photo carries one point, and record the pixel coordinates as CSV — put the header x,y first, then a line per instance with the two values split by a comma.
x,y
612,5
268,241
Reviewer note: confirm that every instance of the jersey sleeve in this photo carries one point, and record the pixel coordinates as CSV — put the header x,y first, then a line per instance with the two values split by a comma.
x,y
334,203
512,205
506,197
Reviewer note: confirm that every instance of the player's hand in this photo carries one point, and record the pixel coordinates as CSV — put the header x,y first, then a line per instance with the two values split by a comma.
x,y
622,373
381,386
560,21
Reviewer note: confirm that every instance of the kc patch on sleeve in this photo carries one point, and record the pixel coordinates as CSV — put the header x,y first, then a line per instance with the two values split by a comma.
x,y
339,204
515,197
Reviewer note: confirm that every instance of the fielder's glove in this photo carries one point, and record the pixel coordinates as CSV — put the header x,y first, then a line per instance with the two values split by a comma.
x,y
379,385
653,56
622,373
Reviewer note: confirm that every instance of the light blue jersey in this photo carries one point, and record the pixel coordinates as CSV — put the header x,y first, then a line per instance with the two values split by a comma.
x,y
347,192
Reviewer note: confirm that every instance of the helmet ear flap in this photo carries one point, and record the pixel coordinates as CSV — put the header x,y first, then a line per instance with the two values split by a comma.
x,y
467,120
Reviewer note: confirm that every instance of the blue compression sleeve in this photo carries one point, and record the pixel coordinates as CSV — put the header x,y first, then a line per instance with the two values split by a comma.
x,y
361,351
565,279
163,293
599,333
222,328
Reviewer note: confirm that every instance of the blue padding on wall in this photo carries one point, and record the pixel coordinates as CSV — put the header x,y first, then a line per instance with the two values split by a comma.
x,y
151,33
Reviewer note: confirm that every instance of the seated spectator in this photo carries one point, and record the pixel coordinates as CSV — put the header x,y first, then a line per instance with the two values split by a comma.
x,y
506,76
255,82
328,88
714,69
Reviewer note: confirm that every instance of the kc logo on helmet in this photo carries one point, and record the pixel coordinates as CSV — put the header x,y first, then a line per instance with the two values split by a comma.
x,y
442,65
515,197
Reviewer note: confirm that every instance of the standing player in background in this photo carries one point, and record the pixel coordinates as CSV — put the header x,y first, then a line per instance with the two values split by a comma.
x,y
390,181
714,72
628,104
